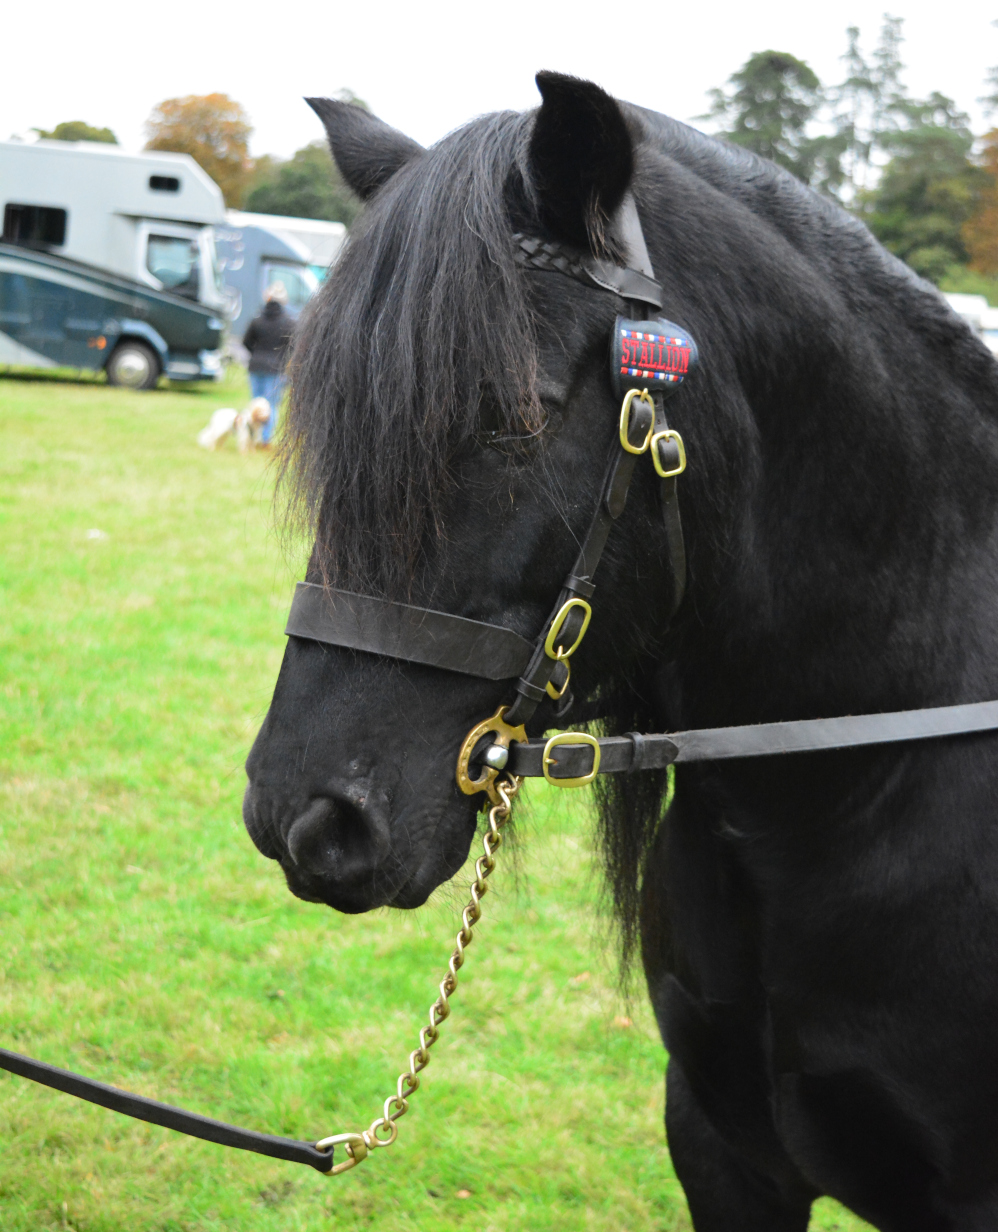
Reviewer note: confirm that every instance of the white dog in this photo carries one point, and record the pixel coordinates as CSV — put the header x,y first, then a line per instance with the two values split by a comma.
x,y
246,426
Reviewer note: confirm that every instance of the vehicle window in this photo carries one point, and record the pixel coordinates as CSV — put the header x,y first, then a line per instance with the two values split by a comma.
x,y
34,224
299,282
173,260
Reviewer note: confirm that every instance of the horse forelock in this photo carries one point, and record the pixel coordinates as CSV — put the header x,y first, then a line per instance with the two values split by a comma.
x,y
424,315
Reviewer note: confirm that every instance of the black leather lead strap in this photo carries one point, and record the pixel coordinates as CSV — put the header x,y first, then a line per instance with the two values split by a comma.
x,y
418,634
151,1110
622,754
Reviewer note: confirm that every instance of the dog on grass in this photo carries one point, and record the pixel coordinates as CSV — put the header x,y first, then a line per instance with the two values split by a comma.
x,y
246,426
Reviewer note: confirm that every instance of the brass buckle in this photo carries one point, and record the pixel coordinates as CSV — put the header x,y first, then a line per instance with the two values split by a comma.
x,y
504,736
642,395
559,623
570,738
671,435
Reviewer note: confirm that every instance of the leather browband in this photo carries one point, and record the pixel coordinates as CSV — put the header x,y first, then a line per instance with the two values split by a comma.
x,y
418,634
636,281
554,257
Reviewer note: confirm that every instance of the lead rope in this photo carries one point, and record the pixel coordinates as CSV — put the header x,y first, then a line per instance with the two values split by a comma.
x,y
358,1145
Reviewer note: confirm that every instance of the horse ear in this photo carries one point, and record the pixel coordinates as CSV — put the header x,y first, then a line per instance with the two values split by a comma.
x,y
581,158
367,151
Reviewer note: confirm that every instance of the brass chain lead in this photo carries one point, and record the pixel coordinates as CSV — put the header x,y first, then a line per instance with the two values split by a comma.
x,y
358,1145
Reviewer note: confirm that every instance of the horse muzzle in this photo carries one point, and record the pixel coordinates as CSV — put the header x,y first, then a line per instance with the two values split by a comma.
x,y
335,848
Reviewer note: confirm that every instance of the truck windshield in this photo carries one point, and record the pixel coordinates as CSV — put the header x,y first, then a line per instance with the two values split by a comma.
x,y
174,261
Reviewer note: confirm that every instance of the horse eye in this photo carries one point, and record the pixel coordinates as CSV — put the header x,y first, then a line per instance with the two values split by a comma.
x,y
489,422
497,434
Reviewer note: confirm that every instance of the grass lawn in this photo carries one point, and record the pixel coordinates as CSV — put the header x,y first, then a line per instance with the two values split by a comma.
x,y
144,941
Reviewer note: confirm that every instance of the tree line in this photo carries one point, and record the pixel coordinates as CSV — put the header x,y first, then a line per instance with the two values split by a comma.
x,y
215,131
910,168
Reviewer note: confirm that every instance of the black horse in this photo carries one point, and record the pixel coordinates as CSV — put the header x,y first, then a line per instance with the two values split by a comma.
x,y
819,931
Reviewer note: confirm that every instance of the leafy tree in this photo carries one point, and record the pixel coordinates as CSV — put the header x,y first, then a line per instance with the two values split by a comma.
x,y
865,103
930,188
990,99
980,232
888,89
903,165
214,130
306,186
77,130
853,100
774,97
769,103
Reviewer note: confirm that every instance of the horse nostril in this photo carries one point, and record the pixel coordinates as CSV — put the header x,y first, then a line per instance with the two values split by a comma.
x,y
334,838
310,837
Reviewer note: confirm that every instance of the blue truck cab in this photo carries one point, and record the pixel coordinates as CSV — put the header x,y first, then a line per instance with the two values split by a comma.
x,y
257,250
107,261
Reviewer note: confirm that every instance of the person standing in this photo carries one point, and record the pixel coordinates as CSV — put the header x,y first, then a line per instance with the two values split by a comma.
x,y
267,340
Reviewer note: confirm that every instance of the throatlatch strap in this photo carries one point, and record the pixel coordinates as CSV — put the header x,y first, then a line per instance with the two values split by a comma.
x,y
623,754
151,1110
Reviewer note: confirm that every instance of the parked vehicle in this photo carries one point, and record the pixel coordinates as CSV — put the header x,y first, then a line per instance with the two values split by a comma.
x,y
255,250
107,261
979,315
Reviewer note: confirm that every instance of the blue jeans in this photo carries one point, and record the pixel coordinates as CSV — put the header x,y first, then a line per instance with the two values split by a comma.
x,y
269,385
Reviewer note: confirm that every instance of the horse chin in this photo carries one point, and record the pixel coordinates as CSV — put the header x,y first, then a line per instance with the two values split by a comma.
x,y
355,900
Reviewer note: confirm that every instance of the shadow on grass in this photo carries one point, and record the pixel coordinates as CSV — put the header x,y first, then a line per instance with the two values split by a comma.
x,y
82,376
56,376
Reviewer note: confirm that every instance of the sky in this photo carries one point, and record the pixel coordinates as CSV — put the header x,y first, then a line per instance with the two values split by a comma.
x,y
427,66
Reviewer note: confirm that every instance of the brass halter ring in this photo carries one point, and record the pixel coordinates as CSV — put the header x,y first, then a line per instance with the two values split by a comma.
x,y
504,736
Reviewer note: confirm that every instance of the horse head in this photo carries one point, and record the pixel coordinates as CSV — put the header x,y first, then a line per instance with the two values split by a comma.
x,y
449,424
448,430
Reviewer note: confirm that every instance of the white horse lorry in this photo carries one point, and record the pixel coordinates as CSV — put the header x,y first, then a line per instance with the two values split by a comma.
x,y
107,261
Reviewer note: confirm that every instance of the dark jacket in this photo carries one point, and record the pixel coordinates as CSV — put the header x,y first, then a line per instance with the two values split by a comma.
x,y
268,338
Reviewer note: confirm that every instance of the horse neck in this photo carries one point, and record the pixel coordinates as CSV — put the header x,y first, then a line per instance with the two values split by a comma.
x,y
853,420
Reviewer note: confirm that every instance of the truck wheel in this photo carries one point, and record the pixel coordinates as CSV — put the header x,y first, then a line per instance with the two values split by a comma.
x,y
133,365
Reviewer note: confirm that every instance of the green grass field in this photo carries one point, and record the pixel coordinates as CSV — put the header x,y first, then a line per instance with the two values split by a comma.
x,y
145,942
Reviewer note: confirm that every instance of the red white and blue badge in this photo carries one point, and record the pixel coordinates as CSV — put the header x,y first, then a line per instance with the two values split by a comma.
x,y
652,355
